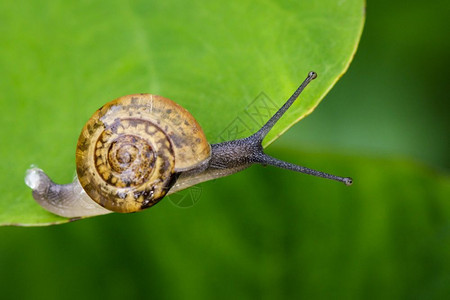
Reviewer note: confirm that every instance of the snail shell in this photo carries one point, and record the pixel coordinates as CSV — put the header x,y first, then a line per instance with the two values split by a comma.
x,y
132,150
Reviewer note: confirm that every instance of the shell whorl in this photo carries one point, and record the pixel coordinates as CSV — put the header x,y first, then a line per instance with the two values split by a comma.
x,y
131,151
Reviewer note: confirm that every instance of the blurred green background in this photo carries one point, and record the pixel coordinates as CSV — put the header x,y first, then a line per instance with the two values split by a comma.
x,y
255,234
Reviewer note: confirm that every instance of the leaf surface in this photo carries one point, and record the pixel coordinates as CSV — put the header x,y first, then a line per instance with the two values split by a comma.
x,y
230,64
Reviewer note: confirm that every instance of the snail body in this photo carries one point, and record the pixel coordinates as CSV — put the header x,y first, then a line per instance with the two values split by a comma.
x,y
138,148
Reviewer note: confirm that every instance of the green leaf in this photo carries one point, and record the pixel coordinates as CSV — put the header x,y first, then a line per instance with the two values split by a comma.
x,y
62,60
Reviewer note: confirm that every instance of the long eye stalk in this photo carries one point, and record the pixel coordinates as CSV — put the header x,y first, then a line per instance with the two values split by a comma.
x,y
274,119
264,159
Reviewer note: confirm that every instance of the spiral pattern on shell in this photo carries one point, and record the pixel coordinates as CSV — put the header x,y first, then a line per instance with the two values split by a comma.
x,y
127,153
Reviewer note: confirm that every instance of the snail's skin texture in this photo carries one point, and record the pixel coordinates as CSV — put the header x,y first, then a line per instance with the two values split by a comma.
x,y
138,148
67,200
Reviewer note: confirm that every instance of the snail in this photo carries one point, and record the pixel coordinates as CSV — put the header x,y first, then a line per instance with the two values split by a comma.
x,y
138,148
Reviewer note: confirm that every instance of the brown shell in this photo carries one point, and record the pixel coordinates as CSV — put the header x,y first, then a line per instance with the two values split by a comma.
x,y
130,152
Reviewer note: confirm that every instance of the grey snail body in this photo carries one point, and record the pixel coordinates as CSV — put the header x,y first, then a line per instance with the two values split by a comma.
x,y
139,148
